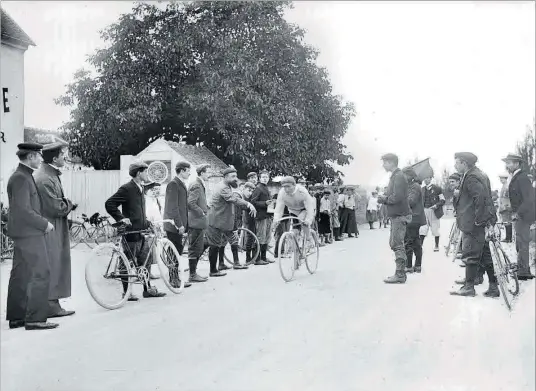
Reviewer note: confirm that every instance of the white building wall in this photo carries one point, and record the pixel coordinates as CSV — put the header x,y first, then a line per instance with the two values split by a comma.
x,y
12,122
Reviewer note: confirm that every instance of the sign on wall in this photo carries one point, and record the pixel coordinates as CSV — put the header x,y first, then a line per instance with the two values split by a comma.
x,y
5,109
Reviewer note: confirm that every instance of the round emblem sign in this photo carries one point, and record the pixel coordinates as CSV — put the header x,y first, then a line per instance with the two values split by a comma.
x,y
157,172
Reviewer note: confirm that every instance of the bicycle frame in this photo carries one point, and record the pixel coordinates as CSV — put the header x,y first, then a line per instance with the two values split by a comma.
x,y
296,235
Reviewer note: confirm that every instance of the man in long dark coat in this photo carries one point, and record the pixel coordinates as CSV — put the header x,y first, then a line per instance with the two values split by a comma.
x,y
474,213
522,201
55,209
27,293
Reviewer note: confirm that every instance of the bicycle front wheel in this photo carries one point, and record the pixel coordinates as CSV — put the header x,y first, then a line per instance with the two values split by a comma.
x,y
109,277
172,267
506,275
452,237
245,239
312,253
288,255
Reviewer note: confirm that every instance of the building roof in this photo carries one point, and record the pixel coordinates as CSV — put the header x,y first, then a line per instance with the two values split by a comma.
x,y
197,155
11,31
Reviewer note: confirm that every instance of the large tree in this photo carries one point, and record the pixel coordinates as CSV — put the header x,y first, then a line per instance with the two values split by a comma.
x,y
527,149
234,76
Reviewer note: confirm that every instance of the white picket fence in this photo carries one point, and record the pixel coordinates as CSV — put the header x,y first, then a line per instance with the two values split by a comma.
x,y
90,189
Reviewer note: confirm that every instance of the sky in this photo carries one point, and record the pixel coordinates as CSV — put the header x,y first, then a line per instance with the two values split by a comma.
x,y
428,79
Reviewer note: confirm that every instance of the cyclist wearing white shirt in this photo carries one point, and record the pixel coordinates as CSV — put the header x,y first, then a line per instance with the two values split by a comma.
x,y
298,201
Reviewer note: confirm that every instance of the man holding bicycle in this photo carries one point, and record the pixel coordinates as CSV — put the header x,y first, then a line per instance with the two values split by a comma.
x,y
131,198
475,213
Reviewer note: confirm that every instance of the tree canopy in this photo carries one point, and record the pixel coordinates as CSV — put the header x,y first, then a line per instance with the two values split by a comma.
x,y
234,76
527,149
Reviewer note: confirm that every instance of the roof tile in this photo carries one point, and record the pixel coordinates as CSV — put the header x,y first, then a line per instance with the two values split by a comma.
x,y
197,155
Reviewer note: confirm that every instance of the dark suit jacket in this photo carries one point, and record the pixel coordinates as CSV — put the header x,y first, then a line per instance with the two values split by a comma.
x,y
416,204
260,195
132,203
397,195
222,211
474,206
176,207
25,216
521,196
197,205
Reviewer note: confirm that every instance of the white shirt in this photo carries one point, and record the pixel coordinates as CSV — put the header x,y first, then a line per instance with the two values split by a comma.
x,y
325,205
372,203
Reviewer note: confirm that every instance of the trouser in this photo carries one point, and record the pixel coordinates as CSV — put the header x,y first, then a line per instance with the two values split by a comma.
x,y
413,245
196,247
522,229
29,282
135,253
477,255
508,229
178,241
397,233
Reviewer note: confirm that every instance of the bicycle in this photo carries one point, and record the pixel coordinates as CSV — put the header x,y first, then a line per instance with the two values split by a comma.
x,y
505,271
90,230
6,244
121,270
296,246
243,237
454,241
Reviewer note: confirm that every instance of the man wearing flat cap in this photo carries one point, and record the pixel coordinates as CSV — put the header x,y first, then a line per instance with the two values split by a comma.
x,y
176,209
523,207
262,200
29,282
474,213
197,221
221,217
56,207
399,212
131,198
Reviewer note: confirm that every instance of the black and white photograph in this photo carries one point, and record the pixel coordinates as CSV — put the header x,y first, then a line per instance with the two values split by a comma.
x,y
268,195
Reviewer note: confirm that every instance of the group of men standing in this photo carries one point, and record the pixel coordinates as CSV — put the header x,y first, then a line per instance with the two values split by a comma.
x,y
38,225
413,211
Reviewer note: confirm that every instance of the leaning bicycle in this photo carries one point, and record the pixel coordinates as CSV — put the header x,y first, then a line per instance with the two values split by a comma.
x,y
295,249
454,241
505,271
244,239
110,274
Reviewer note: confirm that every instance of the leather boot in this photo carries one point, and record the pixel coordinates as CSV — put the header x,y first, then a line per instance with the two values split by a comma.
x,y
493,290
261,259
248,257
398,278
468,289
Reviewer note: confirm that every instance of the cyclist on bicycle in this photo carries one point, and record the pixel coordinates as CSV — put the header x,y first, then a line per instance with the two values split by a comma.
x,y
299,203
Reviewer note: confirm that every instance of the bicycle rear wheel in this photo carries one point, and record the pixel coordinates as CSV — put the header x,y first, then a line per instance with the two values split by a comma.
x,y
452,237
312,253
171,265
107,273
288,254
505,273
244,238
